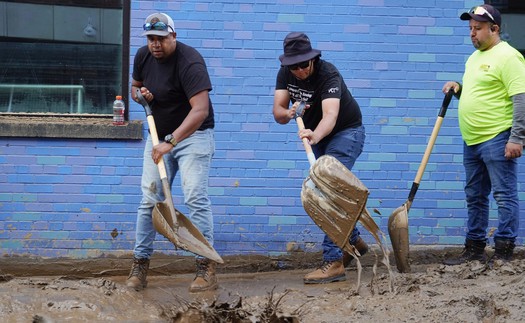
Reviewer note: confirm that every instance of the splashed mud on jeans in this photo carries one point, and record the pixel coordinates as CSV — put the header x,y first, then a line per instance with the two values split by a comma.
x,y
153,188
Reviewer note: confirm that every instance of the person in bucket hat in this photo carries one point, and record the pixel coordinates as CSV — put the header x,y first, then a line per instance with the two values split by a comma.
x,y
491,115
333,126
297,49
174,79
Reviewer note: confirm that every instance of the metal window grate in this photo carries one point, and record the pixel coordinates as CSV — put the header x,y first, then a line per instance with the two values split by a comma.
x,y
41,98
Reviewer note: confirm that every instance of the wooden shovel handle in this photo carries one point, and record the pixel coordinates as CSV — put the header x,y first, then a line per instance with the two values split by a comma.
x,y
155,140
430,145
309,152
152,130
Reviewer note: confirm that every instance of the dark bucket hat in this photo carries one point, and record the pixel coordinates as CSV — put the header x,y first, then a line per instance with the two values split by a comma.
x,y
297,49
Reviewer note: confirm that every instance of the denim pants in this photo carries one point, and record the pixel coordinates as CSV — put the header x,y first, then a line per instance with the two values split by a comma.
x,y
487,169
345,146
192,156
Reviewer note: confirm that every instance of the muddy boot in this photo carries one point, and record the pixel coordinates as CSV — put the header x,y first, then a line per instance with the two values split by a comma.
x,y
474,250
139,272
205,278
504,250
361,246
329,272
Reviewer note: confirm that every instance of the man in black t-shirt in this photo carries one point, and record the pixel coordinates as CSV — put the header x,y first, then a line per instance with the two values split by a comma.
x,y
333,126
173,78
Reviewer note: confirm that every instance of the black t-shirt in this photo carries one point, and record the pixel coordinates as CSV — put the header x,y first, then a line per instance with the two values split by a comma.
x,y
173,82
326,82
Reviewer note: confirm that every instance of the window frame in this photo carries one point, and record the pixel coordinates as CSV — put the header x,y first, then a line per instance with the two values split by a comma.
x,y
74,126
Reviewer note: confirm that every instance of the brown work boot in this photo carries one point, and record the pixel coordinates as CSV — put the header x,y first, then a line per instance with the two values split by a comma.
x,y
329,272
474,250
361,246
139,272
205,278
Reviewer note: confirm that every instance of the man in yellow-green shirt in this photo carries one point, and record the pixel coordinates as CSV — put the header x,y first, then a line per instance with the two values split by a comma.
x,y
491,117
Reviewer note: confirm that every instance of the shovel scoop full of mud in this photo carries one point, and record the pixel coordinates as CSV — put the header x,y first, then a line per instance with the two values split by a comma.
x,y
334,198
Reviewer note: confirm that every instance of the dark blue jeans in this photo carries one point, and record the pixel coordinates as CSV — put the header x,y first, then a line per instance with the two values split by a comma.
x,y
487,169
345,146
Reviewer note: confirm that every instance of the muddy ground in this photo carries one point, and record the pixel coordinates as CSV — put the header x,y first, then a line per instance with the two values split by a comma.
x,y
262,289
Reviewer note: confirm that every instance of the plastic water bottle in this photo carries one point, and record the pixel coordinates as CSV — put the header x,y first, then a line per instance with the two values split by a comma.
x,y
118,111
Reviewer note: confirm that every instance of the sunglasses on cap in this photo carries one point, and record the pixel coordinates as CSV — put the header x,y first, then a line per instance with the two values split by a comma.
x,y
480,11
297,66
159,25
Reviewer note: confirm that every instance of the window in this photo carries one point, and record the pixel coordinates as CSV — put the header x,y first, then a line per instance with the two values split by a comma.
x,y
63,57
512,21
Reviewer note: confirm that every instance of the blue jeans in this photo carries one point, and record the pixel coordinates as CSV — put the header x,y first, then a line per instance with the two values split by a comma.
x,y
192,156
487,169
345,146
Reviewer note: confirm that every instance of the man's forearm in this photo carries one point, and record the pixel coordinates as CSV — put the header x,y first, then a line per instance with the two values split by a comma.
x,y
517,133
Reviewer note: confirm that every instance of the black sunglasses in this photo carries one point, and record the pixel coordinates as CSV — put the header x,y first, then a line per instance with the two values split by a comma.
x,y
297,66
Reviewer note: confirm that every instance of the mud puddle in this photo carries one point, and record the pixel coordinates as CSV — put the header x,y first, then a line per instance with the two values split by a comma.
x,y
430,293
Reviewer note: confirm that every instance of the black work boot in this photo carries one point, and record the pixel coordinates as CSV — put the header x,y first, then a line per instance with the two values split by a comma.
x,y
474,250
504,250
139,272
361,246
205,278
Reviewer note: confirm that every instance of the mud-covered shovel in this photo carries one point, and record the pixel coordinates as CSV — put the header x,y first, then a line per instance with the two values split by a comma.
x,y
167,220
333,197
398,220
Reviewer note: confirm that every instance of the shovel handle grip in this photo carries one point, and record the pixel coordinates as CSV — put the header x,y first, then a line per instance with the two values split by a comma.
x,y
143,102
309,152
446,102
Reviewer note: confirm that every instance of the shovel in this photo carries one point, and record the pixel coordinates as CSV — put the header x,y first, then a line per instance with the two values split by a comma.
x,y
167,220
333,197
398,220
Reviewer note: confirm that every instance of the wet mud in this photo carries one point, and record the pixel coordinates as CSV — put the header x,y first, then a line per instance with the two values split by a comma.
x,y
262,289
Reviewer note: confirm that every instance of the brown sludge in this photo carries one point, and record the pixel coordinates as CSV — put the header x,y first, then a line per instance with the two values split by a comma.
x,y
67,290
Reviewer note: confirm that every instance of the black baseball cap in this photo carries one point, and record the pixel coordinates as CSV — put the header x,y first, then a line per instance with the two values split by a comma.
x,y
484,12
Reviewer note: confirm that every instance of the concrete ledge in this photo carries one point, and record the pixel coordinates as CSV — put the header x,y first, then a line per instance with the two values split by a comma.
x,y
68,127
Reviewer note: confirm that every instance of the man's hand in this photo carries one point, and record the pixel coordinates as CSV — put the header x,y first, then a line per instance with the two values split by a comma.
x,y
146,94
513,150
159,150
451,85
292,110
310,135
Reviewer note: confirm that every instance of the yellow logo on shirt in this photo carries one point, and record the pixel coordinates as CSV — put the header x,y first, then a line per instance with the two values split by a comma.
x,y
484,67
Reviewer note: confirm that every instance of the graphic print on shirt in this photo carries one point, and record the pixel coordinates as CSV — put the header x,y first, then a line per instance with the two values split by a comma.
x,y
299,94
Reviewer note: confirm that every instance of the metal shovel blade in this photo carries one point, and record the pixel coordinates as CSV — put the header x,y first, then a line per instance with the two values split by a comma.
x,y
334,198
182,232
328,217
398,232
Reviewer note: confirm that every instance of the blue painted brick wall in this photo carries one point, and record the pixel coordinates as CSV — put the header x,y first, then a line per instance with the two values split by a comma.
x,y
64,198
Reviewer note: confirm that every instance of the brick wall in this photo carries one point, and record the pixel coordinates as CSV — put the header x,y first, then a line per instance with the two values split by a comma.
x,y
65,198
